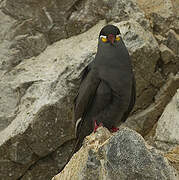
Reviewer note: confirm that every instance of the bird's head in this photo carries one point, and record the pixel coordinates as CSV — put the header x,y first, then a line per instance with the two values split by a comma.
x,y
110,34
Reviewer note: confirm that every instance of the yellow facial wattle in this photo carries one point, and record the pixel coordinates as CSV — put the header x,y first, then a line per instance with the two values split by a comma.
x,y
104,39
118,38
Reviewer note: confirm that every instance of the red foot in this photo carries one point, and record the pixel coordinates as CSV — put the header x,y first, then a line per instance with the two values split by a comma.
x,y
114,129
96,126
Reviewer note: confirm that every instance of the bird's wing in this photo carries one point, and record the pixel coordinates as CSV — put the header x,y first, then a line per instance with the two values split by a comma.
x,y
119,108
86,93
132,100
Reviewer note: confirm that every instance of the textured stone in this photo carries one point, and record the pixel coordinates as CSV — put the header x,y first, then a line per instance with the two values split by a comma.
x,y
8,104
32,25
46,167
173,157
160,39
163,14
173,41
167,55
36,94
89,12
144,52
54,76
144,121
123,156
167,134
29,45
6,23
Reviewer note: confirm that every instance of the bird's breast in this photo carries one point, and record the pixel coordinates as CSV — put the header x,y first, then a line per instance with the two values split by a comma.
x,y
119,78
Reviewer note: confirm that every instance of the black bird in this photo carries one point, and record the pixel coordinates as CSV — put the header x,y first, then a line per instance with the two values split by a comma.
x,y
107,92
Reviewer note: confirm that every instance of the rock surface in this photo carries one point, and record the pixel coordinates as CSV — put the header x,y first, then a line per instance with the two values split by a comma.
x,y
167,134
45,92
53,75
123,156
145,120
38,81
163,14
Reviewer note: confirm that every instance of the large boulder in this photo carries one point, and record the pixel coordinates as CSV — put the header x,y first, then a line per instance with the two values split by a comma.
x,y
38,125
166,133
37,91
44,87
32,25
123,156
163,14
145,120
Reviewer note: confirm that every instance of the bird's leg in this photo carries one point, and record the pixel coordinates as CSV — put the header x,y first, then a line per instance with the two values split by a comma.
x,y
114,129
96,126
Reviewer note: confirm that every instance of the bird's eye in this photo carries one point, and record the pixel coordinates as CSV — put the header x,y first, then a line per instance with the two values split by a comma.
x,y
118,37
103,38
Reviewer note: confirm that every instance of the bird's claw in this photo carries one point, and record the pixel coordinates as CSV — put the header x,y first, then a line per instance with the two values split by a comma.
x,y
96,126
114,129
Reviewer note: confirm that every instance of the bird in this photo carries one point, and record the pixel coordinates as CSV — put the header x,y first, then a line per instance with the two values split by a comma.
x,y
107,91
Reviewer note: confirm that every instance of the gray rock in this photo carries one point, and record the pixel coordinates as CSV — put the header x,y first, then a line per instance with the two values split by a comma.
x,y
160,39
6,23
47,167
163,14
173,41
167,55
54,75
29,45
167,134
32,25
144,51
144,121
8,104
123,156
45,88
89,12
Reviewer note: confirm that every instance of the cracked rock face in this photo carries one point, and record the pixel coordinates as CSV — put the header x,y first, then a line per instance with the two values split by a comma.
x,y
38,81
45,89
167,134
30,26
144,121
163,14
124,155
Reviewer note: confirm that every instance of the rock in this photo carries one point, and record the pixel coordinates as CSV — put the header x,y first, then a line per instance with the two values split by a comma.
x,y
29,45
8,104
144,121
160,39
167,134
6,23
63,19
36,94
89,12
47,167
54,76
173,41
35,24
173,157
167,55
124,155
27,137
144,51
163,14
